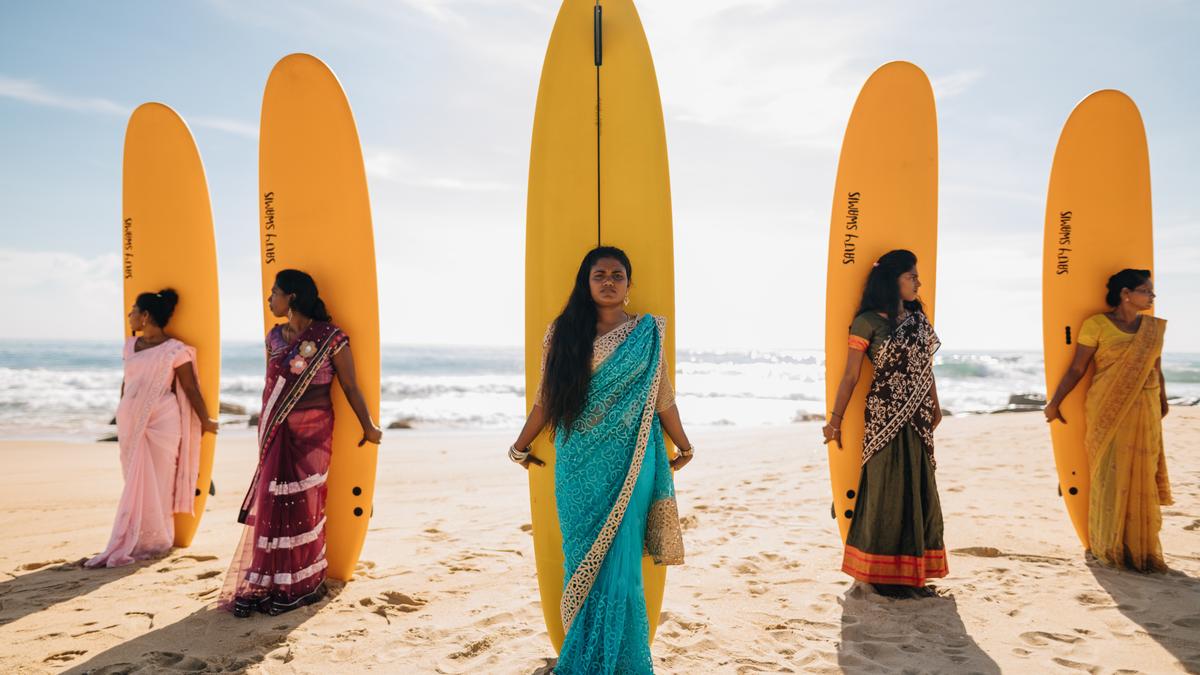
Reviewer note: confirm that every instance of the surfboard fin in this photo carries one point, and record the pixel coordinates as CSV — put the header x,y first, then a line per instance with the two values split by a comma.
x,y
597,37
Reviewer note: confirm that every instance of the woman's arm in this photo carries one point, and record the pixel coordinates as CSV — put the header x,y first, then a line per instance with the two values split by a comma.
x,y
534,424
670,422
343,365
833,430
1162,388
186,377
937,405
1079,366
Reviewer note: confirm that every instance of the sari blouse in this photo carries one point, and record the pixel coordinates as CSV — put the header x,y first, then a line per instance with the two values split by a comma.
x,y
602,347
1099,332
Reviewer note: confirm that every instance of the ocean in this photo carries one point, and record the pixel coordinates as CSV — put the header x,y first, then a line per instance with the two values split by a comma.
x,y
55,389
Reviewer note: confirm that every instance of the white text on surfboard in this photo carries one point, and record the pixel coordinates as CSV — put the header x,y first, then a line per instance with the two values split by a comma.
x,y
127,247
1064,243
848,245
269,227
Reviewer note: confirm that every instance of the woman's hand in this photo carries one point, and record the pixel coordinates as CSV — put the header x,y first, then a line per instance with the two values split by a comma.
x,y
532,460
1053,413
937,416
681,461
1166,407
371,434
832,433
209,426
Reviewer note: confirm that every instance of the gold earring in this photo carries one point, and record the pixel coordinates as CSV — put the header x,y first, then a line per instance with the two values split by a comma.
x,y
626,300
289,313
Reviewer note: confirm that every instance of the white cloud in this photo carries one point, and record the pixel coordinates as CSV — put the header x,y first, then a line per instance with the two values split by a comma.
x,y
232,126
29,91
64,295
955,83
393,167
772,69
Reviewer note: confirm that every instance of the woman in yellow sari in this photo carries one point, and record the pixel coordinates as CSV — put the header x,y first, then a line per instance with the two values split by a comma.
x,y
1125,406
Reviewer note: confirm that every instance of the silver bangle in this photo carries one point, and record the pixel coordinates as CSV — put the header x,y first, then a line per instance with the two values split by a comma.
x,y
518,456
691,449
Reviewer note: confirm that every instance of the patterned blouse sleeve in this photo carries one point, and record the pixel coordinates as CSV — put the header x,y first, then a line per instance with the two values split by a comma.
x,y
1089,332
540,397
861,332
666,391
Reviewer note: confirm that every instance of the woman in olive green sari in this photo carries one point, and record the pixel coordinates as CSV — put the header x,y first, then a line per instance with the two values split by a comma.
x,y
895,540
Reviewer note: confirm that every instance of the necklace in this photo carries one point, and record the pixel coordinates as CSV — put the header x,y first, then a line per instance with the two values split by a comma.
x,y
291,333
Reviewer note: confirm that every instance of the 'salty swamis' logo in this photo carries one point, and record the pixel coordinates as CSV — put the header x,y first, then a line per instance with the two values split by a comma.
x,y
848,237
269,228
1063,258
127,247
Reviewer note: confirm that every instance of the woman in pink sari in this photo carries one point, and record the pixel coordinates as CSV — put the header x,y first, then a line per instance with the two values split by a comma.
x,y
280,563
159,422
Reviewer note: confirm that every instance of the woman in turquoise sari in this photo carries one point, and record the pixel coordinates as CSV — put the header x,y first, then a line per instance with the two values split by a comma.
x,y
605,392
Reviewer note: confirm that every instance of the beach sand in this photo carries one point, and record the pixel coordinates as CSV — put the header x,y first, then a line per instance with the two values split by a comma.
x,y
446,583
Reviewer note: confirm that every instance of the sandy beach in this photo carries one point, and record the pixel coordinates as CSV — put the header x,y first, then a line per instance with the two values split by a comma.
x,y
446,583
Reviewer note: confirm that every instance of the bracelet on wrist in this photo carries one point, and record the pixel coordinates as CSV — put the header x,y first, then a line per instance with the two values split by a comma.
x,y
518,456
687,452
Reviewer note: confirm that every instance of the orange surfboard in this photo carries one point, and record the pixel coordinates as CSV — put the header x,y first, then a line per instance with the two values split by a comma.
x,y
885,198
167,241
1098,222
597,174
316,217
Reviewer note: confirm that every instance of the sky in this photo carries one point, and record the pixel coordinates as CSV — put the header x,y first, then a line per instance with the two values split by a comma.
x,y
755,93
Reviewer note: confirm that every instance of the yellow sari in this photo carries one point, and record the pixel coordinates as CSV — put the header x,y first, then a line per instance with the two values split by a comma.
x,y
1129,480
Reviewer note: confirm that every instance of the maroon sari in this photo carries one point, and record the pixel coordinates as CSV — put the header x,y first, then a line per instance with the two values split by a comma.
x,y
280,562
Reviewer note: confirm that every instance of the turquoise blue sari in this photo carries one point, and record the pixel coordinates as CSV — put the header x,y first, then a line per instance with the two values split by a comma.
x,y
616,502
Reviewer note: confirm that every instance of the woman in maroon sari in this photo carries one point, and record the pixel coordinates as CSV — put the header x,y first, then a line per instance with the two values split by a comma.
x,y
280,563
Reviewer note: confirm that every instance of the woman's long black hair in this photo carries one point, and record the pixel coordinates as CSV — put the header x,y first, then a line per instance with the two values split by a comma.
x,y
882,292
569,362
306,301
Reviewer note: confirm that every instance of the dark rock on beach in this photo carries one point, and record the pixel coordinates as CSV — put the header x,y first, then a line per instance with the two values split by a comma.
x,y
231,408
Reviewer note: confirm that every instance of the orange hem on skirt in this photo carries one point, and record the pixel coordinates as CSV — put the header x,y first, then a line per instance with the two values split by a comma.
x,y
902,570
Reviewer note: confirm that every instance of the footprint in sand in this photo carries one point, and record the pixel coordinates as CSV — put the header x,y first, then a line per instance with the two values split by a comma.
x,y
1188,622
394,601
148,615
1075,665
473,649
978,551
63,657
1095,601
1039,638
29,567
175,661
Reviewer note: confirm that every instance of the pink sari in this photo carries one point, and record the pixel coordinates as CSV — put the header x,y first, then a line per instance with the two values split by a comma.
x,y
159,435
280,563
